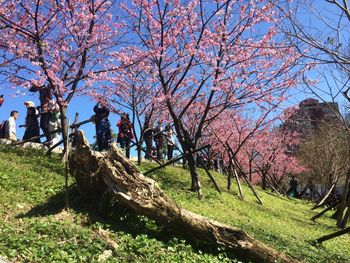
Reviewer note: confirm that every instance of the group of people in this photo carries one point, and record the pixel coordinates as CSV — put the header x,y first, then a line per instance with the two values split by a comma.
x,y
45,117
156,138
163,138
308,192
104,132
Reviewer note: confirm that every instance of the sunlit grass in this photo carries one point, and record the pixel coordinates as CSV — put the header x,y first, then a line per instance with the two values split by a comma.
x,y
282,223
33,227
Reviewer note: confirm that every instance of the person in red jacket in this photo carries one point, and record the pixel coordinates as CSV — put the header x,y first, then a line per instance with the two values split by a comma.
x,y
1,100
125,134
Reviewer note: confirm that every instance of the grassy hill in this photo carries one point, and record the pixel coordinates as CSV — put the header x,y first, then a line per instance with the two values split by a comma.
x,y
33,227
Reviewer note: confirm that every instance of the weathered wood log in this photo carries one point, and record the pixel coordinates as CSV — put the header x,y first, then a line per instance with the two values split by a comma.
x,y
97,172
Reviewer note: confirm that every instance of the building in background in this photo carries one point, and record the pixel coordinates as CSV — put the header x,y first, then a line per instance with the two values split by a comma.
x,y
312,116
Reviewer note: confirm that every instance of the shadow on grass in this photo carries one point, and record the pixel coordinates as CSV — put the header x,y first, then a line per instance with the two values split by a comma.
x,y
53,205
114,216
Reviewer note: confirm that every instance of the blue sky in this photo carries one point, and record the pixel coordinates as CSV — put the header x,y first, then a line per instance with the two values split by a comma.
x,y
84,105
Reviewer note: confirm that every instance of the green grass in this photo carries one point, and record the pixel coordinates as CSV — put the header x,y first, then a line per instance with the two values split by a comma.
x,y
281,223
33,227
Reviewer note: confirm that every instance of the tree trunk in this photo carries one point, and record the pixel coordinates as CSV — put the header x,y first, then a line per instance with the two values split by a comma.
x,y
95,172
65,135
263,180
344,199
195,183
189,156
139,153
229,174
250,170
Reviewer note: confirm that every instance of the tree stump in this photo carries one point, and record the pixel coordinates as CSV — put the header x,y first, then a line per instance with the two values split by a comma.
x,y
97,172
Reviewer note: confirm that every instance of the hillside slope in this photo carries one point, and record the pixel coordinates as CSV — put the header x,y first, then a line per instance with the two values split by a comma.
x,y
33,228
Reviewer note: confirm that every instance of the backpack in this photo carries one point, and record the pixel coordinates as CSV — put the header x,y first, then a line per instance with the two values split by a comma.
x,y
125,128
3,129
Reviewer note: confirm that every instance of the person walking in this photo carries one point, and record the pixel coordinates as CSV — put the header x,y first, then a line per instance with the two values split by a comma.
x,y
54,123
148,137
45,98
125,134
170,141
293,187
31,122
309,192
103,126
159,139
10,128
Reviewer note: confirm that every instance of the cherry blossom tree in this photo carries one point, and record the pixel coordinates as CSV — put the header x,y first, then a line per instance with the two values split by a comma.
x,y
133,91
263,152
62,45
208,56
274,159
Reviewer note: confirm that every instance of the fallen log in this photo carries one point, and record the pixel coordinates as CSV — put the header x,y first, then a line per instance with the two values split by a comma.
x,y
97,172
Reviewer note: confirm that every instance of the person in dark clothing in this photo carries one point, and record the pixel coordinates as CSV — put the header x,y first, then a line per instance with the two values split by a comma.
x,y
1,100
309,191
45,98
159,139
125,134
170,141
148,137
103,126
31,122
293,187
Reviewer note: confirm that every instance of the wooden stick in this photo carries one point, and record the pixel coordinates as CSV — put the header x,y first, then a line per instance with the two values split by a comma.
x,y
57,144
247,181
238,182
242,173
211,178
324,211
172,161
330,236
66,166
324,199
154,159
234,171
54,131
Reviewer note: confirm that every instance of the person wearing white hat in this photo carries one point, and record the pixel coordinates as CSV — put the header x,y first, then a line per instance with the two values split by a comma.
x,y
29,104
31,122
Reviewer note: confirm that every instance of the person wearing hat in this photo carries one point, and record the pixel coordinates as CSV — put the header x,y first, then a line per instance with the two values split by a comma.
x,y
31,122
